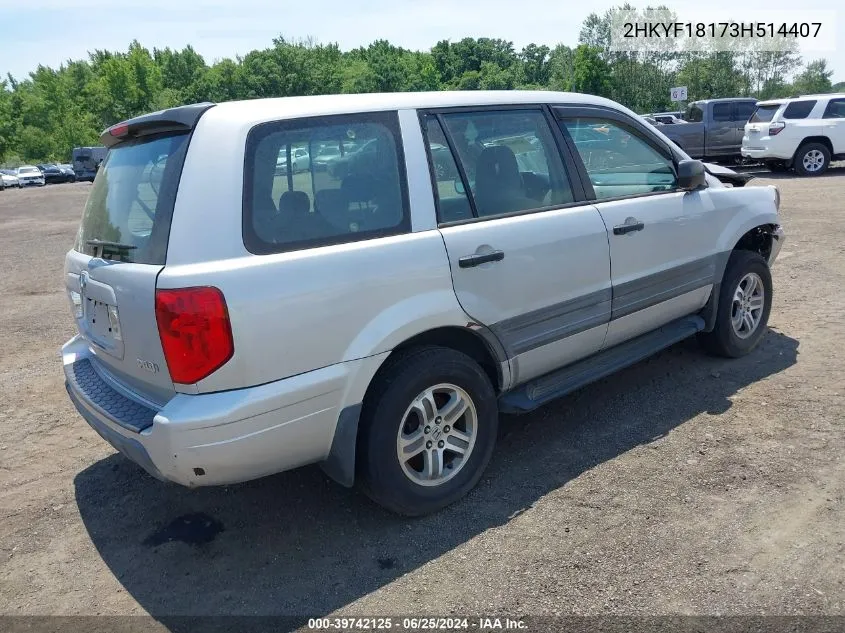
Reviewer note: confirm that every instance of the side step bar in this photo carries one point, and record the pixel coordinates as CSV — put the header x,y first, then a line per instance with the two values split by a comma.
x,y
558,383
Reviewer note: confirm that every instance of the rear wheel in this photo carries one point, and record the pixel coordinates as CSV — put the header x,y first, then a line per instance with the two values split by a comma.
x,y
745,300
812,159
428,428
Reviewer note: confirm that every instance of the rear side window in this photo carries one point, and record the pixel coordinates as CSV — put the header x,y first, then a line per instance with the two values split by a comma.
x,y
510,161
723,112
345,182
764,113
129,209
835,109
799,109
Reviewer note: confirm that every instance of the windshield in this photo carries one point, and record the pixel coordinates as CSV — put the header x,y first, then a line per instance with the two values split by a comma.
x,y
764,113
131,202
27,170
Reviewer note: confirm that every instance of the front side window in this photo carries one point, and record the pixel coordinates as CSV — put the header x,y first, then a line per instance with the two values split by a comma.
x,y
344,182
510,160
618,161
835,109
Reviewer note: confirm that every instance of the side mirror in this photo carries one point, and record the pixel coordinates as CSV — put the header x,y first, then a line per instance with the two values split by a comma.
x,y
691,175
459,186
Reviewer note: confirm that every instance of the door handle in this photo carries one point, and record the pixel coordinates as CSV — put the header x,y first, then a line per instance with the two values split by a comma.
x,y
468,261
631,225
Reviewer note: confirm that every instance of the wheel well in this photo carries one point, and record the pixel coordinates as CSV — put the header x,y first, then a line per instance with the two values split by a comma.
x,y
816,139
758,240
456,338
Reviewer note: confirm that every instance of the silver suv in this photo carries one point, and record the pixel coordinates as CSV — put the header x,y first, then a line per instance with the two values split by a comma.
x,y
461,255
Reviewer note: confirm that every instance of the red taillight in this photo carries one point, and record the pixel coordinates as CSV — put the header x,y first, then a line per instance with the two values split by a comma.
x,y
121,129
776,128
193,324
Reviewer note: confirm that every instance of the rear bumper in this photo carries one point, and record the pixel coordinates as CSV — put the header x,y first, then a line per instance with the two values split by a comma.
x,y
766,152
217,438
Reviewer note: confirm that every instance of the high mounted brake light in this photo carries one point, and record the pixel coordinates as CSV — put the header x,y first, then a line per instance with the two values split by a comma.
x,y
195,332
121,129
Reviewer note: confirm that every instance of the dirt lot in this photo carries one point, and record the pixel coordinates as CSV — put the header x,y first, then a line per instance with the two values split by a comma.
x,y
685,484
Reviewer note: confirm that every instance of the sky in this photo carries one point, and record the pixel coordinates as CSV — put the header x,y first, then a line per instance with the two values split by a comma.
x,y
49,32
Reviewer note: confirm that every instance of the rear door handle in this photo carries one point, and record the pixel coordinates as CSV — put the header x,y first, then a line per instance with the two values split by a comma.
x,y
468,261
631,225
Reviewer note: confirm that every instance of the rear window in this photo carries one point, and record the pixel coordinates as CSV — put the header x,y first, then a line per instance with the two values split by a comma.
x,y
744,109
764,113
694,114
347,182
131,202
799,109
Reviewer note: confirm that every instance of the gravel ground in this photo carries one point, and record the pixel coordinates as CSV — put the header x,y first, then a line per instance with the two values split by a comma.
x,y
684,485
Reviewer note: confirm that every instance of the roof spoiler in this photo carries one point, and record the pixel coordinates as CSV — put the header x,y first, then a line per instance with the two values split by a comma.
x,y
179,119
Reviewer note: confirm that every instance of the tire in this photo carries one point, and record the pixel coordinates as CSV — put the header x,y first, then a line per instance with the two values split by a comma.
x,y
388,416
725,339
776,166
811,159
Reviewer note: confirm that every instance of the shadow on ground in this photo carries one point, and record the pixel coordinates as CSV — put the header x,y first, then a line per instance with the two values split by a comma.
x,y
296,543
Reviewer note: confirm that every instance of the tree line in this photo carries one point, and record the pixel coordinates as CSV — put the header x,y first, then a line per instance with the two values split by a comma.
x,y
53,110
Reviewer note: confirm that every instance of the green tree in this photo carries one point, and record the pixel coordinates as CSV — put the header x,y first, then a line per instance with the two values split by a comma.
x,y
814,79
590,73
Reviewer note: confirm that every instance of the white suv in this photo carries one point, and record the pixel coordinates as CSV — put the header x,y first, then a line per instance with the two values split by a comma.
x,y
469,253
805,133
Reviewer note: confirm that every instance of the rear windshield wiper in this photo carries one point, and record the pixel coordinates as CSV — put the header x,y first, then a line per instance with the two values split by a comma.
x,y
101,247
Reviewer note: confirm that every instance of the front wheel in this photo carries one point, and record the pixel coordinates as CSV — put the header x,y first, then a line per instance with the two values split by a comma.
x,y
428,428
745,300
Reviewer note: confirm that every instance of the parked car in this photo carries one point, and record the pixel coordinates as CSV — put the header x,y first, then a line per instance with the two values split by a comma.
x,y
85,161
67,171
10,178
379,325
30,175
52,173
326,156
804,133
299,157
713,129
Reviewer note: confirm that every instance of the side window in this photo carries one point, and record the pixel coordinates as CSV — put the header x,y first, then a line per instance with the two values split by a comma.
x,y
835,109
345,182
744,110
453,201
723,112
799,109
618,161
510,160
